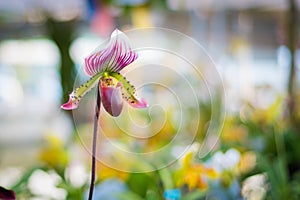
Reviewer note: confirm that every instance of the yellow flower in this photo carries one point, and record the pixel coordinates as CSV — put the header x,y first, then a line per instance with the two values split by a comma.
x,y
269,115
105,172
54,153
233,132
186,161
194,175
141,17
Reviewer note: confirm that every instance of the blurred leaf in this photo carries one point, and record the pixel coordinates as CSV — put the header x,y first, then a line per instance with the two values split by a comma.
x,y
129,196
166,178
72,192
19,186
194,195
296,183
277,173
140,183
152,195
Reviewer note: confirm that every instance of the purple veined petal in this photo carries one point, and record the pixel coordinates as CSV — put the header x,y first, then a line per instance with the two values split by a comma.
x,y
78,93
117,55
111,98
7,194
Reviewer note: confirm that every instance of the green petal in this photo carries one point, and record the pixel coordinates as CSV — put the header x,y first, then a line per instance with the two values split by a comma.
x,y
78,93
128,91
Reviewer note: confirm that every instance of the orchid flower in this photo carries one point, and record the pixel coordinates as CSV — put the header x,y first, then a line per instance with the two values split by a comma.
x,y
6,194
104,68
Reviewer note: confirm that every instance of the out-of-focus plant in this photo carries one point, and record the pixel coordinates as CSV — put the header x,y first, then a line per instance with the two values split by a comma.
x,y
275,142
266,151
53,177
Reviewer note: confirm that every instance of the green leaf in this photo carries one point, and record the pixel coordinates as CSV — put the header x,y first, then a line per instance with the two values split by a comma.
x,y
194,195
129,196
152,195
140,183
166,178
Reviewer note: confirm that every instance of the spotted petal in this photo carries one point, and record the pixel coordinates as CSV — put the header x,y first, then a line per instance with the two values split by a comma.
x,y
78,93
128,92
117,55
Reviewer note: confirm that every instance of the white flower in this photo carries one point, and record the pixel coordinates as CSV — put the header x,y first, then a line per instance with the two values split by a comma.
x,y
225,161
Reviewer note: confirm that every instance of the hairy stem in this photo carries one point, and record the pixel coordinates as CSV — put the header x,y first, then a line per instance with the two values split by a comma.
x,y
94,147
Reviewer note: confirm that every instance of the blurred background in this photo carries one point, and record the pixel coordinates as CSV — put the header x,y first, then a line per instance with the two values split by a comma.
x,y
255,47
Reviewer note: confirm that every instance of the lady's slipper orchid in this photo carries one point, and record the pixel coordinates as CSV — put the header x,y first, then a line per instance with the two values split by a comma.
x,y
104,67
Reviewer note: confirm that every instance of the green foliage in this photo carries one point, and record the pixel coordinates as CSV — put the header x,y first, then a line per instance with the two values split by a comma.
x,y
140,183
267,145
194,195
